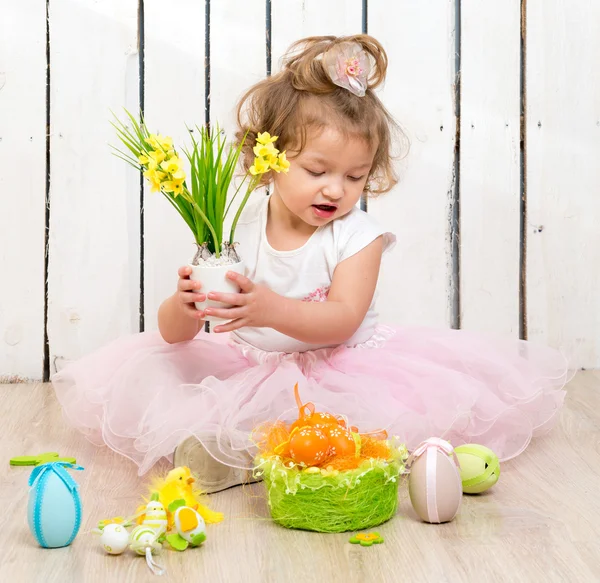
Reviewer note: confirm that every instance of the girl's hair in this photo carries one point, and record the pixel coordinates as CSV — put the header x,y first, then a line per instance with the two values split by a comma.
x,y
302,97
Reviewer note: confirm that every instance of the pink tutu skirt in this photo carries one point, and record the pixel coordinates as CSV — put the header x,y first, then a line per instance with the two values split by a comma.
x,y
142,396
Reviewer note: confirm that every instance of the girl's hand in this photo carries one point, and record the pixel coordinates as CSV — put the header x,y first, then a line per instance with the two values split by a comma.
x,y
188,293
249,308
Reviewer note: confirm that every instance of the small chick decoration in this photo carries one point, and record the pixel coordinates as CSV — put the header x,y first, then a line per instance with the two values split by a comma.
x,y
179,485
189,525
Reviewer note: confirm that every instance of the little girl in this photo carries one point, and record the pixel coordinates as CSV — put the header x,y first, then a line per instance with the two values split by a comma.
x,y
306,313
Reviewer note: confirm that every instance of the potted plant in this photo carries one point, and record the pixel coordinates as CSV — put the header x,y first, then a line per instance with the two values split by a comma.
x,y
202,196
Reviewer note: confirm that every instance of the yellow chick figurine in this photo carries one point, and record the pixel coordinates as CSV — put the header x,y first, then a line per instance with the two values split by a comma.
x,y
179,485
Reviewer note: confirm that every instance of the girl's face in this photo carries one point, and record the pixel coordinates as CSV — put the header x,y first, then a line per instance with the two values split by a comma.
x,y
327,179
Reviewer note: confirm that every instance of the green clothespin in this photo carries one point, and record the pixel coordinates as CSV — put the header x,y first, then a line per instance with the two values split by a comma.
x,y
42,458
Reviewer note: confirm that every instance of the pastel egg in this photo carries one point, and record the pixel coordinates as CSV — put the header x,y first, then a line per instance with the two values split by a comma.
x,y
309,446
141,538
479,468
434,486
341,442
114,539
188,523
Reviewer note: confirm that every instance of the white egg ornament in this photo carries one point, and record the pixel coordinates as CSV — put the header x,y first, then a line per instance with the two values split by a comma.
x,y
479,468
434,484
190,527
114,539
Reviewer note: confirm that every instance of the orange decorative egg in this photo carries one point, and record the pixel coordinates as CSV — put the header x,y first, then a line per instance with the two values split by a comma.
x,y
341,442
319,420
309,445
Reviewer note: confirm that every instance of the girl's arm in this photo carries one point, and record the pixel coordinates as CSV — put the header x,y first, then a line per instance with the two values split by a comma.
x,y
331,322
178,318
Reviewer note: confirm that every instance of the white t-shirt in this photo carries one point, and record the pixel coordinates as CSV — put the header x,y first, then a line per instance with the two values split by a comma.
x,y
305,273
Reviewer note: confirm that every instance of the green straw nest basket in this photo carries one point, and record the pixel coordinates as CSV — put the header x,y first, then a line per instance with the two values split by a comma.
x,y
328,501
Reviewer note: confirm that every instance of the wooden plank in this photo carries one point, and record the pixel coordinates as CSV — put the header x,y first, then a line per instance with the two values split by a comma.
x,y
235,66
419,92
174,99
238,55
94,198
563,177
296,19
22,183
490,166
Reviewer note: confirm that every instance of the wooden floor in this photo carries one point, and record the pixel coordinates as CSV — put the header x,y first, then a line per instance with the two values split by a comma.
x,y
541,522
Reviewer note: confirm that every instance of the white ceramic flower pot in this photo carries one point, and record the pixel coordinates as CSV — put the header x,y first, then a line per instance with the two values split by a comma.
x,y
213,279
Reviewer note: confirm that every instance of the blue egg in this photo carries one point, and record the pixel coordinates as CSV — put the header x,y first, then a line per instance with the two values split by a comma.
x,y
54,511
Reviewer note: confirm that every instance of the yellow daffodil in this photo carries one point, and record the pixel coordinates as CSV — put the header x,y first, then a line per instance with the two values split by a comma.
x,y
155,177
165,143
260,166
264,149
284,163
143,159
280,164
171,165
160,142
174,186
179,175
155,158
265,138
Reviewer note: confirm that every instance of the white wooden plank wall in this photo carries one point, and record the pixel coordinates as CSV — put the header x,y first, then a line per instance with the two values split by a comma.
x,y
296,19
93,287
563,176
456,211
174,98
490,184
238,60
22,188
419,92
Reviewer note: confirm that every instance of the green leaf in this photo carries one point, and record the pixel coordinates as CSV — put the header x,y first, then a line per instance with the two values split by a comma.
x,y
176,504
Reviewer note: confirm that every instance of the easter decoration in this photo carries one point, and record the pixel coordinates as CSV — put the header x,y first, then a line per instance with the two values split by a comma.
x,y
42,458
434,484
190,528
144,540
114,538
54,510
201,197
178,485
173,513
479,468
366,539
323,475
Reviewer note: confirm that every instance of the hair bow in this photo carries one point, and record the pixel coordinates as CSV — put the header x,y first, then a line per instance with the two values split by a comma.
x,y
348,66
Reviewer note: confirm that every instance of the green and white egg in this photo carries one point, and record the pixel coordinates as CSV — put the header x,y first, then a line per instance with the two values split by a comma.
x,y
155,516
479,468
143,537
